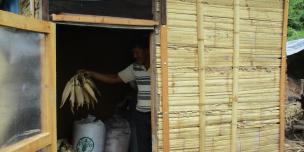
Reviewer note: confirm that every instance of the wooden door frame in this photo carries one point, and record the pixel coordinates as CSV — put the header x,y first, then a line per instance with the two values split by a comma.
x,y
133,24
47,138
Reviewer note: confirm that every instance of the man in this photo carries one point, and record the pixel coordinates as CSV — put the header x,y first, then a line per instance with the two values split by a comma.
x,y
138,71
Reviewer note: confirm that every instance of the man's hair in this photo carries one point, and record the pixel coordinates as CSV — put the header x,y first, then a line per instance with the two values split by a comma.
x,y
141,43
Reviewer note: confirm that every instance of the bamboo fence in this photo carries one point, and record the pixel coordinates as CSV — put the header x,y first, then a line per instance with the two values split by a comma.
x,y
224,75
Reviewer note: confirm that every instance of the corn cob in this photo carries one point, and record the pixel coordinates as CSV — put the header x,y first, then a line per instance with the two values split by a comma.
x,y
80,91
93,86
90,91
72,98
66,92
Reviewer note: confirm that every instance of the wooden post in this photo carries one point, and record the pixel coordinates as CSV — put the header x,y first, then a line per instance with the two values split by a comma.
x,y
154,99
49,88
102,20
236,54
163,12
201,72
164,77
45,9
283,78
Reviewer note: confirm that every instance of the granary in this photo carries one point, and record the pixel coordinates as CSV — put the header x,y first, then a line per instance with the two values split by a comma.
x,y
217,69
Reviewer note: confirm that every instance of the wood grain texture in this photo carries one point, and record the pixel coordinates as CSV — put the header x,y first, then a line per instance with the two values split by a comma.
x,y
23,23
164,77
283,79
77,18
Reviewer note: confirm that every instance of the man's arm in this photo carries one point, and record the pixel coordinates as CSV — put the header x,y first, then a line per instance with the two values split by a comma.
x,y
106,78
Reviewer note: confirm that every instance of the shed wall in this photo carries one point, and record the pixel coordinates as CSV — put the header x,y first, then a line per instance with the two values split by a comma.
x,y
261,24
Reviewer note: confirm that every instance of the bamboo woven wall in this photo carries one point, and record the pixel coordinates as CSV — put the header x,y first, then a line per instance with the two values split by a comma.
x,y
258,76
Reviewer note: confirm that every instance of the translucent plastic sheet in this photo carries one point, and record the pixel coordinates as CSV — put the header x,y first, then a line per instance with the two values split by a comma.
x,y
20,79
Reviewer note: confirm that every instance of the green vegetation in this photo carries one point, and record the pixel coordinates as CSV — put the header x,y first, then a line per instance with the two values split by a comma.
x,y
296,19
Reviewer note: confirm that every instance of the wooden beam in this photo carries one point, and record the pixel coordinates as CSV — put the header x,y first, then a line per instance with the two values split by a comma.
x,y
24,23
283,78
235,85
48,105
202,73
164,78
163,12
34,143
102,20
154,99
45,9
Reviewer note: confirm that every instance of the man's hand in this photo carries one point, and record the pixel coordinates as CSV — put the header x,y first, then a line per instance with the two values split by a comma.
x,y
106,78
86,73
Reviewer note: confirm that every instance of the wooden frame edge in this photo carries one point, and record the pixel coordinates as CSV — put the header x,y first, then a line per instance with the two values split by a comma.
x,y
24,23
102,20
154,96
34,143
283,78
164,77
49,87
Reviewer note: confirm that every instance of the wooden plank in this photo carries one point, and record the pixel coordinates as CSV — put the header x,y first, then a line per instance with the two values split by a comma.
x,y
164,77
102,20
24,23
235,87
163,12
45,9
201,72
154,99
48,104
283,78
247,3
34,143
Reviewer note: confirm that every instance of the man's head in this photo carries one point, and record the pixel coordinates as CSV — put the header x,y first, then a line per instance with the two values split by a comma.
x,y
140,54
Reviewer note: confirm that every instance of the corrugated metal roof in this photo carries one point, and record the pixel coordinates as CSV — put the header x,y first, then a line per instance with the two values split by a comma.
x,y
294,46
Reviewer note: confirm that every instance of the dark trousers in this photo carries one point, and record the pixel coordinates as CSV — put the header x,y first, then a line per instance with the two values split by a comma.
x,y
143,131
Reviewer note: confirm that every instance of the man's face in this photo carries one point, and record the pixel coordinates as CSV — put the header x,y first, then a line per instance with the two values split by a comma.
x,y
139,55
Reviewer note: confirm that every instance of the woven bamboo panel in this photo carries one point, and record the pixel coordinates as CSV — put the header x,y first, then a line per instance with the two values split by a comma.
x,y
260,35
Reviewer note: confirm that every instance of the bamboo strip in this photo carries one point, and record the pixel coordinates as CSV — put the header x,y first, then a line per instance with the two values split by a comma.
x,y
220,142
190,105
201,69
187,104
283,78
224,39
247,3
253,120
256,25
227,12
165,100
235,75
223,132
